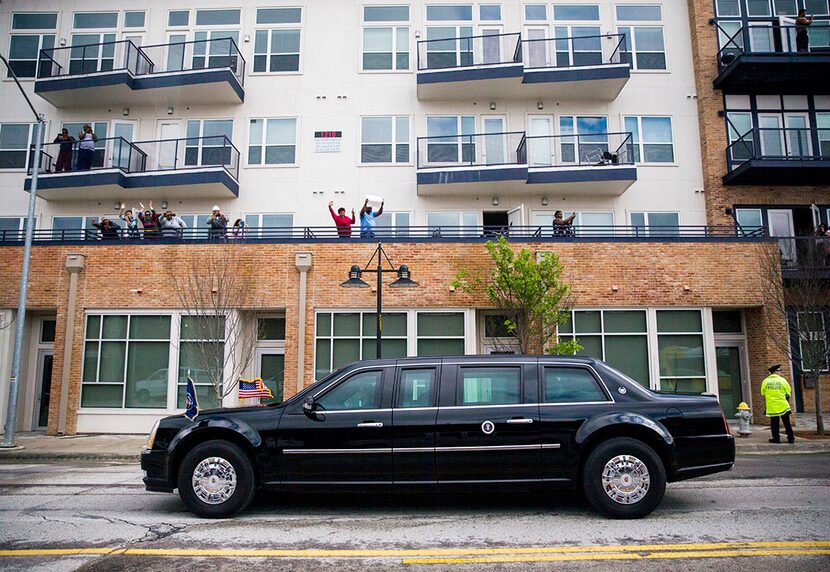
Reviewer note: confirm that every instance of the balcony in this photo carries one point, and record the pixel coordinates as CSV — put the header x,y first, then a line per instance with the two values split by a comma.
x,y
764,59
121,73
514,163
505,66
196,168
779,156
804,259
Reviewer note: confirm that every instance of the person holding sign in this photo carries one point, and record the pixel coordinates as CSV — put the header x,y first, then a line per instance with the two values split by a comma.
x,y
367,219
341,221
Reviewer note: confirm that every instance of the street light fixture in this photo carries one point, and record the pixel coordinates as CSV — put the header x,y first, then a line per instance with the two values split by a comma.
x,y
404,281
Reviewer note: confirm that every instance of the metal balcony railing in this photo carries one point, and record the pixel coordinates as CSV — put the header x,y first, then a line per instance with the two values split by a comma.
x,y
768,38
438,233
588,150
214,53
145,156
575,51
469,51
472,150
786,143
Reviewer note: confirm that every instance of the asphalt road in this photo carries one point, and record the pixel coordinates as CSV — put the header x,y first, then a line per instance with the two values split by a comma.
x,y
767,513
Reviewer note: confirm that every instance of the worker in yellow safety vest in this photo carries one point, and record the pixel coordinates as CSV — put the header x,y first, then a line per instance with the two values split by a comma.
x,y
776,392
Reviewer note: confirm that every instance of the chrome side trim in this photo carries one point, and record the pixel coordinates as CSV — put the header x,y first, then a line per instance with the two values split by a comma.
x,y
551,446
336,451
413,449
419,449
702,467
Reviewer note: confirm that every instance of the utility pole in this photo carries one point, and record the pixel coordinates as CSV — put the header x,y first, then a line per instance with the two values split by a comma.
x,y
14,380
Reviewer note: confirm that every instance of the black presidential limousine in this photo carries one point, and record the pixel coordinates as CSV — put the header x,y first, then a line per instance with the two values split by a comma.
x,y
498,421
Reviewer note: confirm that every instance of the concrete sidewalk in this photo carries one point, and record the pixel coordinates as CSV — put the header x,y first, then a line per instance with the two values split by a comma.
x,y
40,447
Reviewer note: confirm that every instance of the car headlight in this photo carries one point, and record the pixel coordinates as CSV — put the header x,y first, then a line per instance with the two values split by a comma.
x,y
152,437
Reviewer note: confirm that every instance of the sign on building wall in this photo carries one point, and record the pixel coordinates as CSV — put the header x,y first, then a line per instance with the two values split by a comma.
x,y
327,141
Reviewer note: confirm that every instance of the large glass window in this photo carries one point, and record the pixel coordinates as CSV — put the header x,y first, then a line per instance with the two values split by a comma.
x,y
209,142
15,141
749,220
571,385
452,223
385,46
393,223
580,43
680,348
95,20
618,337
813,339
651,138
272,141
440,333
384,139
346,337
24,49
583,139
645,47
361,391
489,386
277,46
126,361
447,142
655,223
201,355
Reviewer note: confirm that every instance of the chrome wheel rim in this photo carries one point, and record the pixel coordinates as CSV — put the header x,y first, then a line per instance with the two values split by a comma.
x,y
214,480
625,479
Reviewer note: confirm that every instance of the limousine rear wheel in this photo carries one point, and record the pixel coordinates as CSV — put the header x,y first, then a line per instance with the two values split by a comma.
x,y
624,478
216,479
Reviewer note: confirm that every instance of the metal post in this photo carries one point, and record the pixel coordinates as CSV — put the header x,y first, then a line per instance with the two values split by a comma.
x,y
14,383
380,301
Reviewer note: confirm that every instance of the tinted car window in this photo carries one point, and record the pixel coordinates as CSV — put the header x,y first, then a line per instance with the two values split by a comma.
x,y
361,391
416,388
571,385
489,386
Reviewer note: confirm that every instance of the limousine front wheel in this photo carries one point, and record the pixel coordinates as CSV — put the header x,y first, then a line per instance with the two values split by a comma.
x,y
216,479
624,478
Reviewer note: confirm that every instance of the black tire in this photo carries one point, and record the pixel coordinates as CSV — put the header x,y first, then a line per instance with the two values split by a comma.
x,y
233,457
633,501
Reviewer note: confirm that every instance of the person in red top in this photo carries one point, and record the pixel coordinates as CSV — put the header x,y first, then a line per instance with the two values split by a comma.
x,y
341,221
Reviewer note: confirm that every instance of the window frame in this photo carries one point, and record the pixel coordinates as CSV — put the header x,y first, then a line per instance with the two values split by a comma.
x,y
631,40
823,332
640,143
459,385
39,32
636,229
394,143
394,25
704,347
299,26
28,150
295,163
200,145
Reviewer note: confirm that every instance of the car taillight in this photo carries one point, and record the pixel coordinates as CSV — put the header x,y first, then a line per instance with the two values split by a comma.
x,y
725,424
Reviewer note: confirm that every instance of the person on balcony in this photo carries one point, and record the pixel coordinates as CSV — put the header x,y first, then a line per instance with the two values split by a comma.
x,y
171,225
108,230
341,221
238,231
563,226
150,219
86,148
66,141
823,245
218,224
367,220
130,222
802,37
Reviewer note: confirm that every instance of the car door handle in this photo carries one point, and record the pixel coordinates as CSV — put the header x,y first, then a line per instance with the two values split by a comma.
x,y
523,420
369,424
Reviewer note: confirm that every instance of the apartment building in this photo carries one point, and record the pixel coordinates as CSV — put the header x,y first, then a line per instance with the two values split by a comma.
x,y
469,119
765,126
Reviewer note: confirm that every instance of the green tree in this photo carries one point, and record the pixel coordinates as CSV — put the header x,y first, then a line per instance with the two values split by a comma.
x,y
529,291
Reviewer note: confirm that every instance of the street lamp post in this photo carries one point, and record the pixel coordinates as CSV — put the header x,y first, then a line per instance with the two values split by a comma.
x,y
403,281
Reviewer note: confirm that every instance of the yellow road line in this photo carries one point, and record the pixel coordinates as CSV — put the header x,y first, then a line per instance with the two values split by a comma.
x,y
613,551
669,555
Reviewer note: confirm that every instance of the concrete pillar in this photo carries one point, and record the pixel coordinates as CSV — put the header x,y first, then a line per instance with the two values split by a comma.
x,y
74,265
302,260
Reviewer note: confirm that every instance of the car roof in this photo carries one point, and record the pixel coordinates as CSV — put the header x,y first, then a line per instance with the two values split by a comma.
x,y
511,358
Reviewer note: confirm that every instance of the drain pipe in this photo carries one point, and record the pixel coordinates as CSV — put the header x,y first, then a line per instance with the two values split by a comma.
x,y
74,265
302,260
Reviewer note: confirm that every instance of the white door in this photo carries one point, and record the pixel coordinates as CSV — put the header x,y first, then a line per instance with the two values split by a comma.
x,y
516,219
170,150
771,135
270,366
540,142
787,33
134,62
536,50
176,48
491,46
781,224
495,140
816,212
122,154
798,134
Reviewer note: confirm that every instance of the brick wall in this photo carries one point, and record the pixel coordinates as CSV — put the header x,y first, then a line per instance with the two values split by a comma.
x,y
713,137
644,274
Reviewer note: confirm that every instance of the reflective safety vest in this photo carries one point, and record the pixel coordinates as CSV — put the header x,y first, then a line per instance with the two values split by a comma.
x,y
776,391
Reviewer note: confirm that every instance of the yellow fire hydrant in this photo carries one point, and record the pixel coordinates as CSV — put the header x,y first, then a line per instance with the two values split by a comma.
x,y
744,416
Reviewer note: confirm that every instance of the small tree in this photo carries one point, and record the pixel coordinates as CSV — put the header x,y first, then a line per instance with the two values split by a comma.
x,y
219,318
796,287
530,292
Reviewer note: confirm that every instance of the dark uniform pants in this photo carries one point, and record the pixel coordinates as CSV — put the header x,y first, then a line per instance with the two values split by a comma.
x,y
773,423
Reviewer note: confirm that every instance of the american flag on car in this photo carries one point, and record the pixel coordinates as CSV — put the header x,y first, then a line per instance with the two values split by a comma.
x,y
250,388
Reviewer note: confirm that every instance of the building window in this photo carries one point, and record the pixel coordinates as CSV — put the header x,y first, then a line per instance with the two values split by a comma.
x,y
15,141
440,333
619,337
260,224
651,138
654,223
727,322
583,139
645,48
24,49
217,17
346,337
178,18
126,361
680,349
489,12
452,223
393,224
272,141
384,139
749,220
587,223
385,38
47,331
536,12
277,46
95,20
812,340
201,355
584,46
134,19
208,142
12,225
101,129
446,144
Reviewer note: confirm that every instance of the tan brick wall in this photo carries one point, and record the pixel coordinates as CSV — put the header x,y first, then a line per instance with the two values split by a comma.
x,y
645,274
713,139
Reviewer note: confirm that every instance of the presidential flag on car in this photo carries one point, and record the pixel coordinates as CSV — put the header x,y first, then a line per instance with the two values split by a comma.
x,y
191,402
250,388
